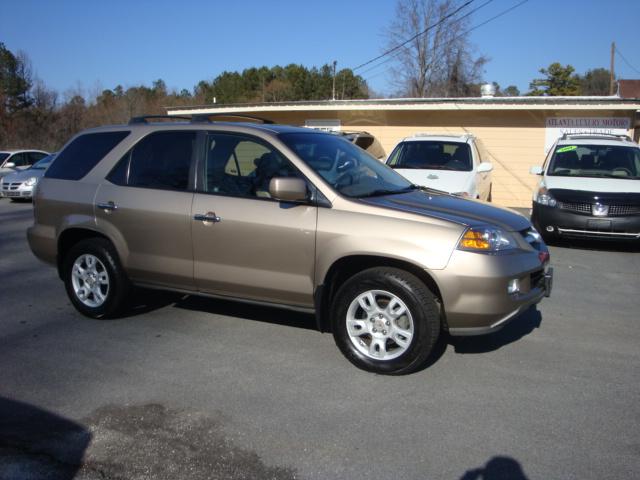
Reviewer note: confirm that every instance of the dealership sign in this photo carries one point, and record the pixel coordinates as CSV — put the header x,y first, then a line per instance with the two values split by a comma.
x,y
557,126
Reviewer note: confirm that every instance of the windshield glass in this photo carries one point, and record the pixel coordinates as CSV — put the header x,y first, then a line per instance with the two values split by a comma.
x,y
43,163
432,155
595,161
3,156
347,168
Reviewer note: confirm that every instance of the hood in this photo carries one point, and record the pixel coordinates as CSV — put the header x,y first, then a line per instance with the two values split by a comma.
x,y
23,175
470,213
613,185
445,180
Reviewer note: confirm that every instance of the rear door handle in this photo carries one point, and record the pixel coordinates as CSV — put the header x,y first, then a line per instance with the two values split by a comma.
x,y
108,206
207,217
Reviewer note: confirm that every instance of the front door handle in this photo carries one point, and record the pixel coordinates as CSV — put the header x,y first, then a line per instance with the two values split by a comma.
x,y
108,206
207,217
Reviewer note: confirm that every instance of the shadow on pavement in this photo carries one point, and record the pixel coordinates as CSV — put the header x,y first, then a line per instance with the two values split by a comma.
x,y
260,313
517,328
35,443
498,468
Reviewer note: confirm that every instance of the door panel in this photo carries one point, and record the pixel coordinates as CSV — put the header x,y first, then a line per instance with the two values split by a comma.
x,y
259,249
154,228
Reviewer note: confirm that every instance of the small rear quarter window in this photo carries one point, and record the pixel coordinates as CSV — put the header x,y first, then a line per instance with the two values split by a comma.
x,y
84,153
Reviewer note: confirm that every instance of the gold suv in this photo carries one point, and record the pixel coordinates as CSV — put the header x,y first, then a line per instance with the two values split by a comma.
x,y
283,216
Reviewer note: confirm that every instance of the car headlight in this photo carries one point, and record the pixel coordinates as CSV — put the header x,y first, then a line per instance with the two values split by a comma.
x,y
31,182
545,198
486,239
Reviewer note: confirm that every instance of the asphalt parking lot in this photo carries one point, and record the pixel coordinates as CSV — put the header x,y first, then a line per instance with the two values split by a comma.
x,y
194,388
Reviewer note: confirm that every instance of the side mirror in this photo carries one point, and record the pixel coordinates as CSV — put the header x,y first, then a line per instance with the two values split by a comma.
x,y
537,170
10,165
288,189
485,167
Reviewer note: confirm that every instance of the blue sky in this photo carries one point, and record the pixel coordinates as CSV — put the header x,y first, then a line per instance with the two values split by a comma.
x,y
94,45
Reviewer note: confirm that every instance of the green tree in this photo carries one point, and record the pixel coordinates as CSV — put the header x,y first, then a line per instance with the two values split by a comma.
x,y
15,81
595,82
511,91
558,81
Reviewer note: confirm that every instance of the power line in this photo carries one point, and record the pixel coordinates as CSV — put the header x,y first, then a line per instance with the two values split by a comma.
x,y
415,36
399,52
627,61
504,12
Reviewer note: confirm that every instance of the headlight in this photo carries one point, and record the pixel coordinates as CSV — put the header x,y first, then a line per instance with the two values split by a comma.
x,y
486,239
31,182
545,198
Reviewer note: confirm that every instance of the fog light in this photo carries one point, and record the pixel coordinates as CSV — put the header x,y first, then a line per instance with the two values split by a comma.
x,y
513,286
549,228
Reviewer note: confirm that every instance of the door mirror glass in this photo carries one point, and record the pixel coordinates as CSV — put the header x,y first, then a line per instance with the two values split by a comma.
x,y
288,189
537,170
485,167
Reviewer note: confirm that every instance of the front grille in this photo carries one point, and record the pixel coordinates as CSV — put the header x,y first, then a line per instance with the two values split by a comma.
x,y
622,210
614,210
576,207
11,186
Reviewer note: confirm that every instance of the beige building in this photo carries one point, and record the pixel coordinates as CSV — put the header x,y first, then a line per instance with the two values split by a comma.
x,y
517,131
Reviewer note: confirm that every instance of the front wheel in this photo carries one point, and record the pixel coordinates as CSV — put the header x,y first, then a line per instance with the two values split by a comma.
x,y
94,279
385,320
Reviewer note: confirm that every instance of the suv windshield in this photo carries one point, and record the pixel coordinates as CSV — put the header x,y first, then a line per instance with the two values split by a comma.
x,y
346,167
595,161
432,155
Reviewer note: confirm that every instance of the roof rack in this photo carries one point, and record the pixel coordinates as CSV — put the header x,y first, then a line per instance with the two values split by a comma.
x,y
145,118
621,136
205,117
198,118
442,134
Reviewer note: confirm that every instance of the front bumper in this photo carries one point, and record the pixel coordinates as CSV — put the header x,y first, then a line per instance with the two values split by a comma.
x,y
474,289
16,190
581,225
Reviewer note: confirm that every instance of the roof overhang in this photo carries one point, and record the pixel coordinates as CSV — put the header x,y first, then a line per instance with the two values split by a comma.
x,y
422,104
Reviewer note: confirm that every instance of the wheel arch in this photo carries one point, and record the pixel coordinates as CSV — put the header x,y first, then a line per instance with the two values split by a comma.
x,y
345,267
71,236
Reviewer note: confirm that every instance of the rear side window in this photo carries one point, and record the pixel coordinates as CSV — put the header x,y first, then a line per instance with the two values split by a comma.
x,y
84,153
161,160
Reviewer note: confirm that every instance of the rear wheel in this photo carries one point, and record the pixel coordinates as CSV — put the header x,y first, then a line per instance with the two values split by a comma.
x,y
385,320
94,279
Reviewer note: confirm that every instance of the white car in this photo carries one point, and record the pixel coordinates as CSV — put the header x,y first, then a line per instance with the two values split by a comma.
x,y
14,160
20,185
455,164
590,188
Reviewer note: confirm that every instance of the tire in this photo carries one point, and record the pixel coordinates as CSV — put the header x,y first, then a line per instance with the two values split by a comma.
x,y
400,325
94,279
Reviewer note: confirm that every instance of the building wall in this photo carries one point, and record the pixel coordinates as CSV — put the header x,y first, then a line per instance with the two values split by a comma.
x,y
514,138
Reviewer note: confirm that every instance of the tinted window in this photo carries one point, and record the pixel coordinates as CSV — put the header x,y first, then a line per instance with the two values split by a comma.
x,y
35,156
84,153
3,156
44,163
432,155
242,166
19,159
161,160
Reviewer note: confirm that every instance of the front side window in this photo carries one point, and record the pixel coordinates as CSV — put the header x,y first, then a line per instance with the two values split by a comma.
x,y
350,170
35,157
595,161
432,155
19,159
43,163
242,166
161,160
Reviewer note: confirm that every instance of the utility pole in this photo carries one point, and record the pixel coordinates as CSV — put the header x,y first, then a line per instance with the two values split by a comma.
x,y
612,82
333,94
